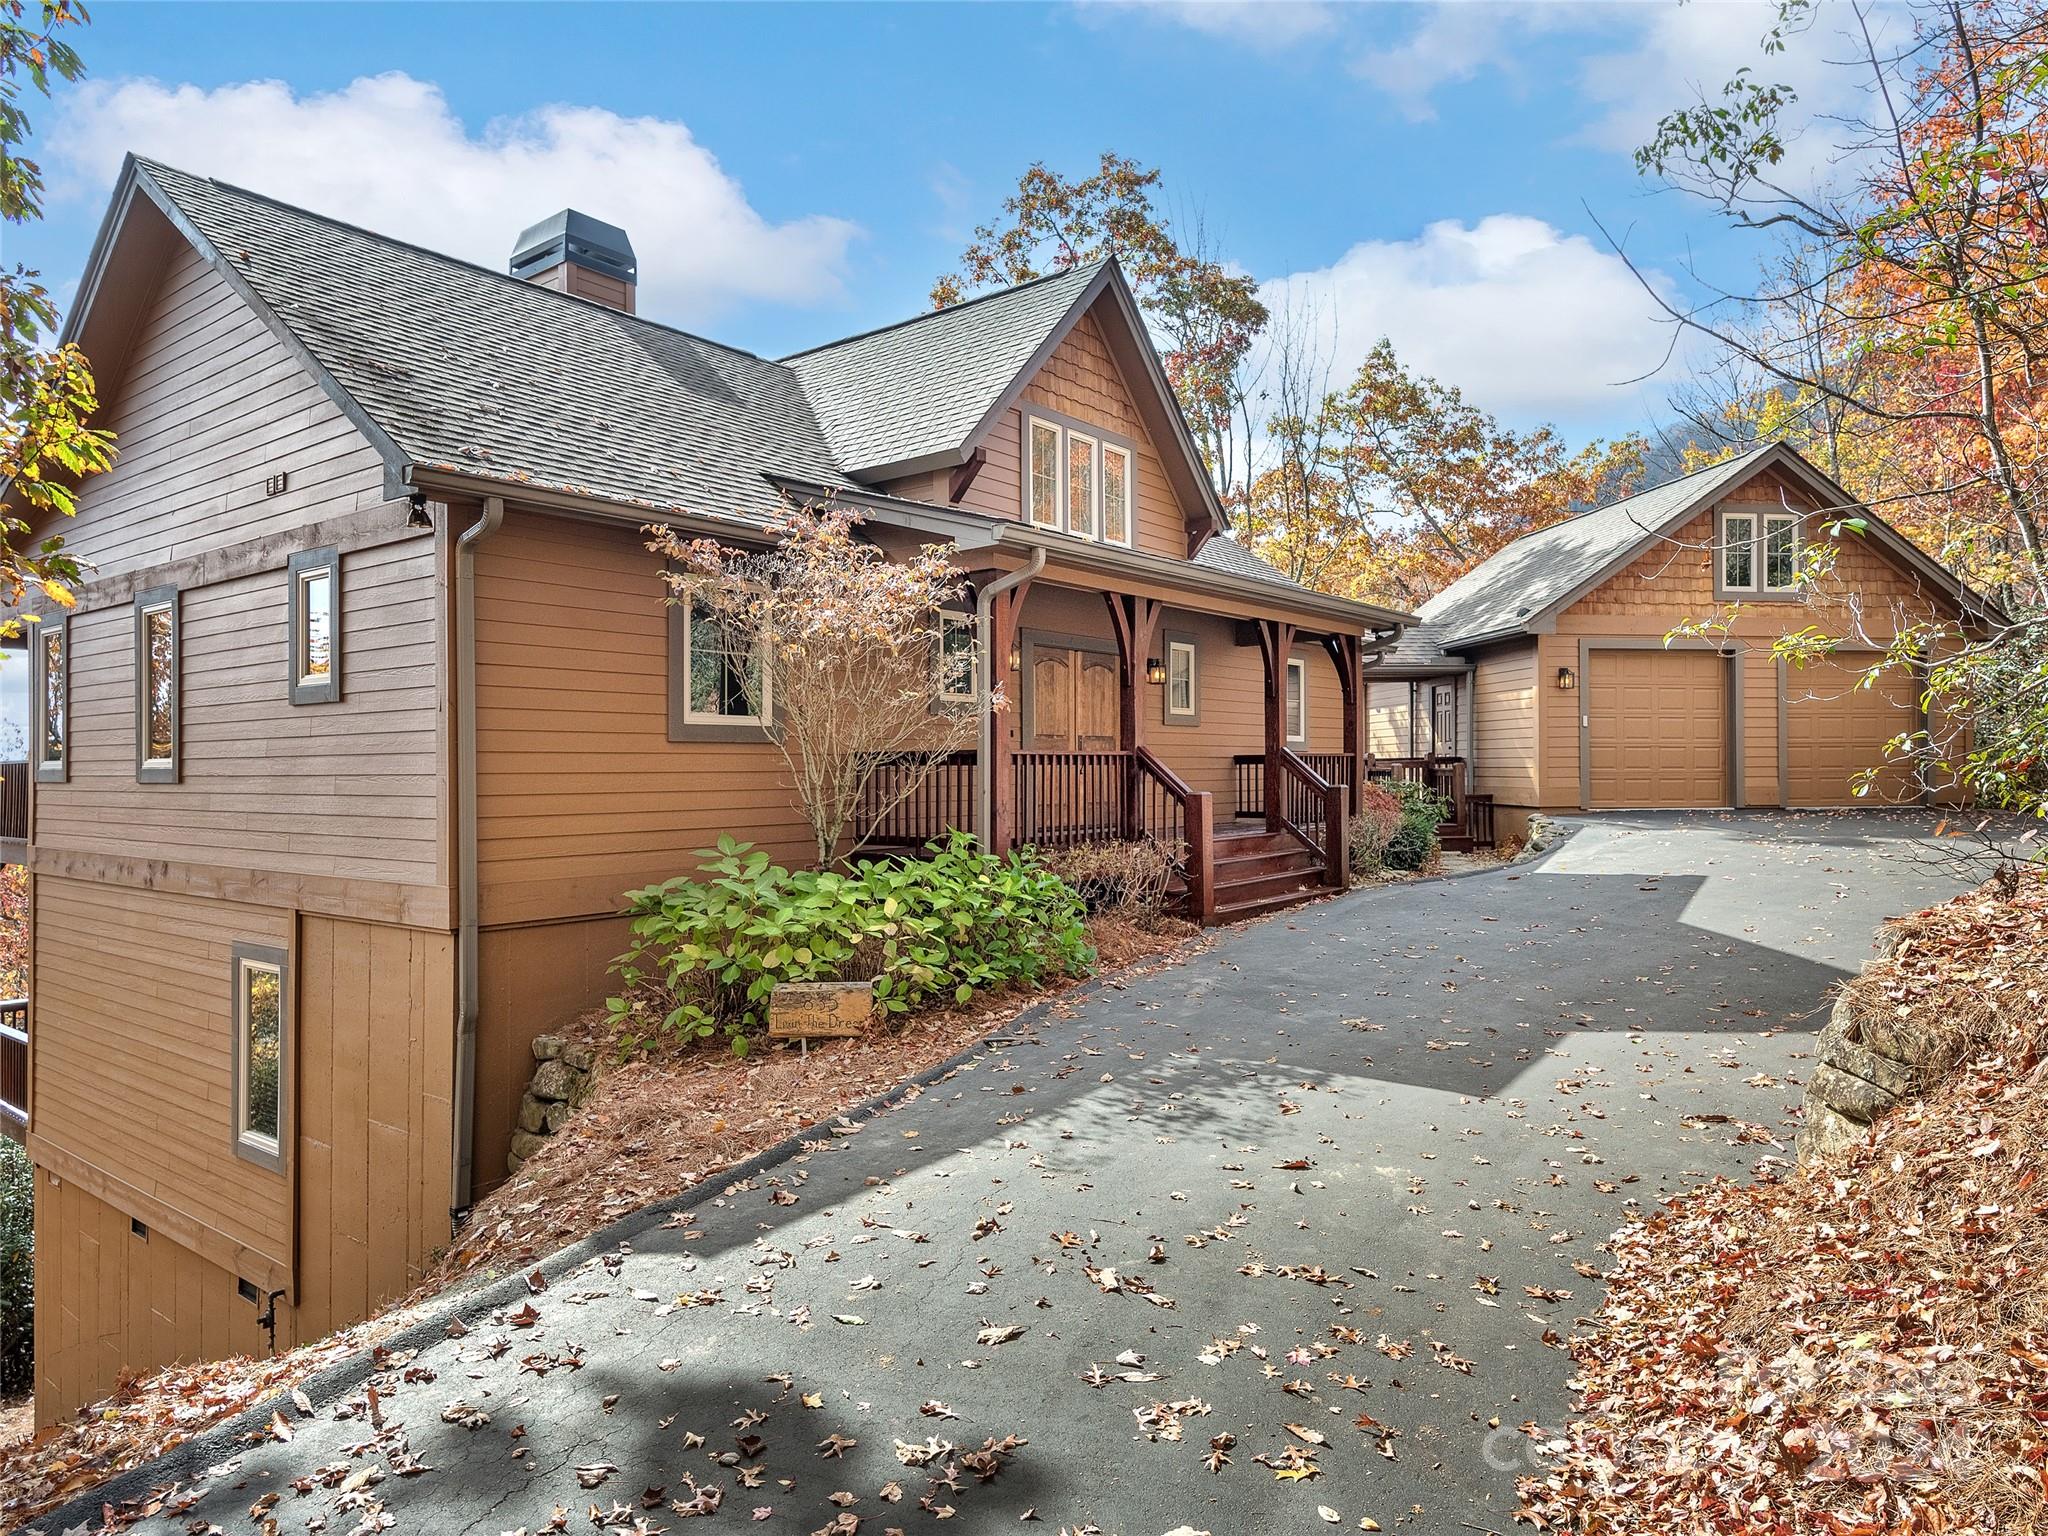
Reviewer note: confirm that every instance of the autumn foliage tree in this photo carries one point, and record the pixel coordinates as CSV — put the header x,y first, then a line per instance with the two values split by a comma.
x,y
840,649
47,395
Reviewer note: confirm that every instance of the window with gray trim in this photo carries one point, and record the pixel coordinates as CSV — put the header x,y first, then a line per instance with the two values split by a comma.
x,y
1759,553
156,686
958,659
1183,697
50,698
260,978
313,662
712,688
1297,699
1078,478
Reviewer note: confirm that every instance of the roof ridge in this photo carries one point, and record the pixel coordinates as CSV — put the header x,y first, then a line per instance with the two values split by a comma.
x,y
523,284
950,309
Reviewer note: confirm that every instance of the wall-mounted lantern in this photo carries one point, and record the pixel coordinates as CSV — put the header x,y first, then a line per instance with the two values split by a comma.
x,y
1567,679
1155,671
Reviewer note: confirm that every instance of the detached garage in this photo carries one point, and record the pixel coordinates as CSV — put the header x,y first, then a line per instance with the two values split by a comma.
x,y
1622,659
1658,728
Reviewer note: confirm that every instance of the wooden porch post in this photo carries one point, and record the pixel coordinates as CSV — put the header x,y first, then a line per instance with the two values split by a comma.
x,y
1276,643
1004,614
1345,653
1136,621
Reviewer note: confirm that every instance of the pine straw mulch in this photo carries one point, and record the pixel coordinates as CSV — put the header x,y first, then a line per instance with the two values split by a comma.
x,y
654,1128
1857,1349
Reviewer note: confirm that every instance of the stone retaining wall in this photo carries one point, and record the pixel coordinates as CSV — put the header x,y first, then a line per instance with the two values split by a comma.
x,y
563,1076
1868,1058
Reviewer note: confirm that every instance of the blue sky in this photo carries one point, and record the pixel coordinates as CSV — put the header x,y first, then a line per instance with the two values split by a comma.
x,y
794,172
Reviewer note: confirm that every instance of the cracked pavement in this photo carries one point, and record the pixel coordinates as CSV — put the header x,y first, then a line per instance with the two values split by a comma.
x,y
1357,1159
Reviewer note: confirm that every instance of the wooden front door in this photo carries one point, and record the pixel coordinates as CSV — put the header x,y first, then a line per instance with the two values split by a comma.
x,y
1073,700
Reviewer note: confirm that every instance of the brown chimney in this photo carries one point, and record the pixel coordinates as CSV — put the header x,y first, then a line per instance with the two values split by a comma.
x,y
574,253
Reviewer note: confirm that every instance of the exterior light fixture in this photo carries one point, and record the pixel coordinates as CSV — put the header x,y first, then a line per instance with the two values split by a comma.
x,y
1016,658
419,515
1155,671
1567,679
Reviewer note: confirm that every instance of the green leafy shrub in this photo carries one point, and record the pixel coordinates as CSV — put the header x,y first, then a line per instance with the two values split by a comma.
x,y
1117,876
1373,826
1414,842
17,1269
707,952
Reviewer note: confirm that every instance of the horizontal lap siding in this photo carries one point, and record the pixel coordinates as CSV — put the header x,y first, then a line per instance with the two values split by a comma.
x,y
349,790
581,796
211,404
131,1049
109,1300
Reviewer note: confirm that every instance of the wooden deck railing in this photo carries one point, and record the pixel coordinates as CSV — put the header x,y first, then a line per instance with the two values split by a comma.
x,y
1336,767
13,800
1470,815
1313,809
940,801
13,1065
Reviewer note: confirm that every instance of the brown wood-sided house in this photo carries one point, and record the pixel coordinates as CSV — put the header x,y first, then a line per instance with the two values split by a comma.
x,y
372,707
1547,668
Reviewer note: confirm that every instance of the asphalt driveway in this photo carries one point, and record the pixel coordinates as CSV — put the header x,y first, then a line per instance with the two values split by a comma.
x,y
1353,1161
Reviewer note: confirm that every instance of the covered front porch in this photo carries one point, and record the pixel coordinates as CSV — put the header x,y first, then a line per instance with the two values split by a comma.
x,y
1188,717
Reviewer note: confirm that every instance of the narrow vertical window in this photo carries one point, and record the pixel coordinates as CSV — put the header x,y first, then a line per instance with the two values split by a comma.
x,y
1781,553
1043,487
1297,700
1738,552
1116,494
1180,679
156,686
959,671
50,700
1081,485
261,1046
313,619
727,682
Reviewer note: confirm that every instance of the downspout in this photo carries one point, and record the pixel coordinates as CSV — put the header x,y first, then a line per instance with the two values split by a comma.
x,y
985,748
467,988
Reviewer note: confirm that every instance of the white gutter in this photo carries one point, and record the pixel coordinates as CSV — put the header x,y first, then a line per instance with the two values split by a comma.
x,y
985,748
466,975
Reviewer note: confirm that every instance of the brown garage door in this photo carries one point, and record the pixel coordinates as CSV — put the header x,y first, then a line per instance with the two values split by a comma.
x,y
1657,728
1834,730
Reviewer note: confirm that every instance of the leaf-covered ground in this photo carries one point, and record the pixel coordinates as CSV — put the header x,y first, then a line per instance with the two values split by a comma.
x,y
1288,1235
1863,1347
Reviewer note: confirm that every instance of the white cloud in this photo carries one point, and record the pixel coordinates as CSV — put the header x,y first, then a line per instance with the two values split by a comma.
x,y
1268,25
388,153
1531,323
1451,44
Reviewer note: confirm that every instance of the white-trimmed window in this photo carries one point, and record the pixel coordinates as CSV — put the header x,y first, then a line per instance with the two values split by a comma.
x,y
1759,552
313,670
1297,699
959,659
1079,480
262,1020
156,686
1042,478
726,683
1180,679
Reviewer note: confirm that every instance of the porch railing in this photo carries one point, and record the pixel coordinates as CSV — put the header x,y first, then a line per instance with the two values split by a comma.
x,y
942,800
1250,768
1470,815
13,1065
1313,809
13,800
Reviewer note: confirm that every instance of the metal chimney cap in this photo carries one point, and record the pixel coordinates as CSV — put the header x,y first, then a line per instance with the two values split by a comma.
x,y
577,237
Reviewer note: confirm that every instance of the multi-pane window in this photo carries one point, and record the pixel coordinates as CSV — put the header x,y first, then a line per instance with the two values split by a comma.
x,y
1043,491
1759,552
51,712
261,1023
156,686
313,670
959,674
1297,700
727,682
1180,679
1076,481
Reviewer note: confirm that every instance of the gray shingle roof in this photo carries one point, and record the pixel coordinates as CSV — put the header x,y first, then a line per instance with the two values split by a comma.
x,y
922,386
1223,553
463,366
1522,580
1420,646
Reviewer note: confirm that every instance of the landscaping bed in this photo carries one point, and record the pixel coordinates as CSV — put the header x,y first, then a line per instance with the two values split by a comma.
x,y
1859,1345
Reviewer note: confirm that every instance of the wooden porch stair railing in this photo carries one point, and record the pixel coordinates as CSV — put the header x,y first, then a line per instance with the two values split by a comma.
x,y
1469,824
14,1067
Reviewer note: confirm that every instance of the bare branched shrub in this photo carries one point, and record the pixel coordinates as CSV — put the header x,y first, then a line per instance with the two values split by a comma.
x,y
840,650
1133,878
